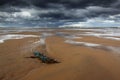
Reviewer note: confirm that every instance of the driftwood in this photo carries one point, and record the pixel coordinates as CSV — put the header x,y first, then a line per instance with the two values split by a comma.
x,y
44,58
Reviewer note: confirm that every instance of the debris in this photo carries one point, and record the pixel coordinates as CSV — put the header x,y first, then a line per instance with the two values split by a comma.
x,y
44,58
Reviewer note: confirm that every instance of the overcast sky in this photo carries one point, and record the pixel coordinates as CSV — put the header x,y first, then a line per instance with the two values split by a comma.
x,y
59,13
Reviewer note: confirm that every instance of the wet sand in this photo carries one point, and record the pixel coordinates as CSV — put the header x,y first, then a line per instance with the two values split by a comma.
x,y
77,62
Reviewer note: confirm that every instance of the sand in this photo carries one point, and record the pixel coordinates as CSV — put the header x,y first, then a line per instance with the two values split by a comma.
x,y
77,62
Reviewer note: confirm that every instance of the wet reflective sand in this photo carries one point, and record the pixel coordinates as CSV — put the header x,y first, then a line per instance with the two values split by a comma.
x,y
85,54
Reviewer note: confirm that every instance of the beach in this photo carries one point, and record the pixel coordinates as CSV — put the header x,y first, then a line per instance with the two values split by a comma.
x,y
84,54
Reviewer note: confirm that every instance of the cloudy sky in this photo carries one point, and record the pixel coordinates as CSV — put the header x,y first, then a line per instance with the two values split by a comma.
x,y
59,13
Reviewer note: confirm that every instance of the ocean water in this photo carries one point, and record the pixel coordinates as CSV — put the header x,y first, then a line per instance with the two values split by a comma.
x,y
113,34
106,33
14,36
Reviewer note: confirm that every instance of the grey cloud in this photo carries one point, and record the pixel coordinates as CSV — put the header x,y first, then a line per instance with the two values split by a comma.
x,y
57,10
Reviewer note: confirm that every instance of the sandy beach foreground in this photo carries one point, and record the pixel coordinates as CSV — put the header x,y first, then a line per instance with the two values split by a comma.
x,y
84,54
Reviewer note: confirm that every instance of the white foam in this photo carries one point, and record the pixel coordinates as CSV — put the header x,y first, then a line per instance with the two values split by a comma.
x,y
84,29
107,34
112,38
97,46
14,36
72,37
43,37
82,43
42,41
1,41
114,49
67,35
46,34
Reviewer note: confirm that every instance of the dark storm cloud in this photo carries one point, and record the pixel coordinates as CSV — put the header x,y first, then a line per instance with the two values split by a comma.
x,y
17,11
65,3
71,3
14,2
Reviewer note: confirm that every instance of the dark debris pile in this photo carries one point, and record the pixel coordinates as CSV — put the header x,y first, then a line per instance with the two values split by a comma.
x,y
44,58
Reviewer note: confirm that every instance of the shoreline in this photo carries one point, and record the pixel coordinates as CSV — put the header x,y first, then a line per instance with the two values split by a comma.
x,y
79,60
